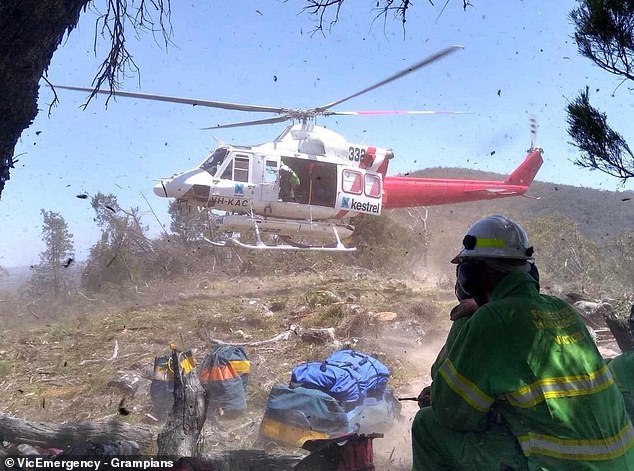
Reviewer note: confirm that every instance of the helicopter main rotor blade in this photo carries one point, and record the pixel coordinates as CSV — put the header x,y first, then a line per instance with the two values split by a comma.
x,y
423,63
186,101
390,112
277,119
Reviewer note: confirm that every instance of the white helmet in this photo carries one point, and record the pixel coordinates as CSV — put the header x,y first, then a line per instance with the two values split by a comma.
x,y
495,237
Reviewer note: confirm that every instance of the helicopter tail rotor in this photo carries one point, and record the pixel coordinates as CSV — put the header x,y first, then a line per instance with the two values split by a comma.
x,y
534,126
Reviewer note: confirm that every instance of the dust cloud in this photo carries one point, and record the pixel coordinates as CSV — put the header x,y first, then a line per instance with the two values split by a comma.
x,y
394,451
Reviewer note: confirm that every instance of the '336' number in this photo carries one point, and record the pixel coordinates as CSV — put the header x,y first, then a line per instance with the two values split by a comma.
x,y
355,153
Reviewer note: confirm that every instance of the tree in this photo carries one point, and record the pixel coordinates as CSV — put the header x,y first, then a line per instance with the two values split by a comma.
x,y
188,223
604,32
563,253
123,252
50,275
31,31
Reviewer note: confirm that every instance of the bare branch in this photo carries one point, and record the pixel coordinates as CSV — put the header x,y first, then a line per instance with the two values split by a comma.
x,y
113,24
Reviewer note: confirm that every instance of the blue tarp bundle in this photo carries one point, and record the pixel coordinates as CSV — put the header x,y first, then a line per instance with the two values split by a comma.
x,y
371,374
331,379
347,375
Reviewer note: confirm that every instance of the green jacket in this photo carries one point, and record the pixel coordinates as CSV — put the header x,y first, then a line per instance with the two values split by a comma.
x,y
622,368
531,358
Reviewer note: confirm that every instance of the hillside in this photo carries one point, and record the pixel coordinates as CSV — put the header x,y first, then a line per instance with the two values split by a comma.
x,y
598,213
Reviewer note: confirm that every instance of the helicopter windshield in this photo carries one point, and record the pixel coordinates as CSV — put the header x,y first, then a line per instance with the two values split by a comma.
x,y
213,162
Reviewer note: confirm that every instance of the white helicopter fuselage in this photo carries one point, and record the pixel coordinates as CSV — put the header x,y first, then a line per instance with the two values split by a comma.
x,y
334,179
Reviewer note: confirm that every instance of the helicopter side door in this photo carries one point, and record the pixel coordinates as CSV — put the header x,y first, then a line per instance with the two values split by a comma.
x,y
360,191
269,178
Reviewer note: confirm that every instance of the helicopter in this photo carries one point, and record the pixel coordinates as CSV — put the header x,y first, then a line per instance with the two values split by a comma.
x,y
305,187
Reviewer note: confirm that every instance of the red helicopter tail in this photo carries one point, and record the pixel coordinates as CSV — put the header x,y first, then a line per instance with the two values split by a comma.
x,y
403,192
525,173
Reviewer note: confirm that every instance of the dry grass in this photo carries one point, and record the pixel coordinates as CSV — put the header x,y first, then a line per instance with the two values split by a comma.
x,y
62,370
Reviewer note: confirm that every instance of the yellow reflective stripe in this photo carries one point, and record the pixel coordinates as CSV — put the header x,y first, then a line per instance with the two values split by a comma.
x,y
288,433
562,386
497,243
465,388
580,450
241,366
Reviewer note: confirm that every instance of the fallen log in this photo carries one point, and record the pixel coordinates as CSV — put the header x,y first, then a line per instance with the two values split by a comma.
x,y
308,335
63,436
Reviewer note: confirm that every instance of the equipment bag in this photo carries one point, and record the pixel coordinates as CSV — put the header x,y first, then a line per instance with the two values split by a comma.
x,y
224,374
332,379
371,374
162,385
294,415
347,375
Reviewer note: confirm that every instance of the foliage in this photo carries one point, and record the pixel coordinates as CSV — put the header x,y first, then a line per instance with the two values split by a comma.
x,y
122,251
172,257
383,243
49,276
148,16
621,258
604,32
187,223
564,254
601,147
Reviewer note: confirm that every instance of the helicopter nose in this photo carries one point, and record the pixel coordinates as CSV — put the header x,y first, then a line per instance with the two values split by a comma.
x,y
176,187
191,185
160,189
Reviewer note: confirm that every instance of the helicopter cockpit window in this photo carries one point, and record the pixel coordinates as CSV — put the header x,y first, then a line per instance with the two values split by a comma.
x,y
213,162
372,186
237,169
241,169
352,182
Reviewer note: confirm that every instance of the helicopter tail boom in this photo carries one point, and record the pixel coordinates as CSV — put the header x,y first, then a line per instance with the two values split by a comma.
x,y
404,192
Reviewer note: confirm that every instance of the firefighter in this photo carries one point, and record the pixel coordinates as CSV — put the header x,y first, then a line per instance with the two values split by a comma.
x,y
289,183
459,315
523,386
622,367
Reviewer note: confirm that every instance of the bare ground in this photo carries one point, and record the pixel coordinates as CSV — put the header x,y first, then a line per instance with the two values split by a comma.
x,y
63,370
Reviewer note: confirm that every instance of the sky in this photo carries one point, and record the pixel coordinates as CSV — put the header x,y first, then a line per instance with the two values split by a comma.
x,y
519,60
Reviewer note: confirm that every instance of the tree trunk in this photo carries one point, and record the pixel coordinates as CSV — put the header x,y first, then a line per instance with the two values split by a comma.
x,y
71,435
181,432
30,32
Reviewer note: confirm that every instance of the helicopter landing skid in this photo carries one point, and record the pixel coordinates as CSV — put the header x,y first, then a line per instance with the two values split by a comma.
x,y
286,244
